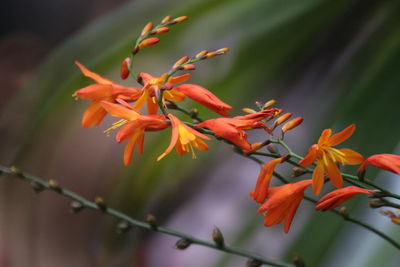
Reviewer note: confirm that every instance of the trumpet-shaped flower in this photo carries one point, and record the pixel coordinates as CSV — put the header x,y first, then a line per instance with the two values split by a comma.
x,y
327,156
102,90
282,203
135,125
184,138
152,87
232,129
339,196
264,178
389,162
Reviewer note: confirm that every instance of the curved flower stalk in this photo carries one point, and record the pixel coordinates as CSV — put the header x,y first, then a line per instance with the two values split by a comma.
x,y
327,156
102,90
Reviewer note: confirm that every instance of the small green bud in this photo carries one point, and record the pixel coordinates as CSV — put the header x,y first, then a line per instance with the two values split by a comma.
x,y
253,263
16,171
100,203
76,206
298,262
218,237
151,220
182,244
53,185
123,227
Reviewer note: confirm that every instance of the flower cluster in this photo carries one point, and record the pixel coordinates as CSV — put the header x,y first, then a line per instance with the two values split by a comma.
x,y
159,97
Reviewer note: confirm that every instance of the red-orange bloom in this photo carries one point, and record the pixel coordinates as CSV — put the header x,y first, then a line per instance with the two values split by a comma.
x,y
327,156
389,162
282,203
339,196
135,124
259,194
232,129
184,138
103,89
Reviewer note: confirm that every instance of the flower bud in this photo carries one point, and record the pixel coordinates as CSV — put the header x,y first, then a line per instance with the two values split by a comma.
x,y
151,220
278,112
179,19
292,124
166,20
378,194
100,203
297,171
160,30
202,53
75,206
218,237
148,42
181,61
211,54
187,67
344,211
248,110
182,244
125,68
376,203
16,171
222,51
282,119
269,103
53,185
273,149
298,262
147,28
123,227
253,263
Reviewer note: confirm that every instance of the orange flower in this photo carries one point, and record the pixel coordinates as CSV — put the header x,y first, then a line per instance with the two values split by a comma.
x,y
259,194
282,203
232,129
105,90
327,156
135,126
339,196
151,90
184,138
389,162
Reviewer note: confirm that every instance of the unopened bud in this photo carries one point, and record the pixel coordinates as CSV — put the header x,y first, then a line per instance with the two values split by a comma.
x,y
202,53
248,110
298,262
151,220
388,213
378,194
194,112
148,42
181,61
278,112
76,206
344,211
253,263
222,51
376,203
179,19
297,171
125,68
147,28
211,54
292,124
187,67
160,30
53,185
269,103
257,146
166,20
282,119
396,220
16,171
182,244
273,149
100,203
218,237
123,227
37,187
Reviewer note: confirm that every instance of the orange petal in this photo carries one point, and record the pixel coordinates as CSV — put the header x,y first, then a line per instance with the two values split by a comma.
x,y
389,162
341,136
324,136
351,157
95,92
291,212
264,179
128,152
339,196
97,78
310,157
93,115
152,105
174,139
318,178
173,95
333,171
204,97
179,79
120,111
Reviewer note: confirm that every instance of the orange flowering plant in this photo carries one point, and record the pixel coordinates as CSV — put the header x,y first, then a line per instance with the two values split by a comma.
x,y
152,105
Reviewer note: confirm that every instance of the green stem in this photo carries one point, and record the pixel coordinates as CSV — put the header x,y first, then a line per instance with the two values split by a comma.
x,y
141,224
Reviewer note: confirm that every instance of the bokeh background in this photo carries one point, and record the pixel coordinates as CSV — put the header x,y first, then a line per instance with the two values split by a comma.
x,y
331,62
